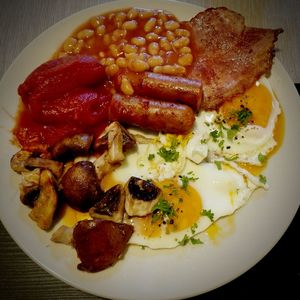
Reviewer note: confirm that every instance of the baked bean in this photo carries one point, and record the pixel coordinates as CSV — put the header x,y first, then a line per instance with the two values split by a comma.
x,y
130,25
96,21
153,48
118,34
107,39
112,69
138,65
165,44
181,42
114,50
162,16
144,56
138,41
100,30
145,13
185,59
157,29
69,44
151,36
172,25
126,86
85,34
78,46
121,62
170,69
130,48
101,54
182,32
185,49
155,60
106,61
132,13
149,25
170,36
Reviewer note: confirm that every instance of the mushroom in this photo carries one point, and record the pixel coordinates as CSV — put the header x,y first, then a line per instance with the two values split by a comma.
x,y
18,161
70,147
140,196
46,203
117,140
103,166
37,162
63,235
30,187
111,205
80,186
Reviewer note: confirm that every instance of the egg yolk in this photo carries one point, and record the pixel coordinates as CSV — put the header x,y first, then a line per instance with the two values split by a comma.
x,y
186,205
257,101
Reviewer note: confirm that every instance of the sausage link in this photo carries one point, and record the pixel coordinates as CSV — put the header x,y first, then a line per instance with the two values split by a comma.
x,y
151,114
168,88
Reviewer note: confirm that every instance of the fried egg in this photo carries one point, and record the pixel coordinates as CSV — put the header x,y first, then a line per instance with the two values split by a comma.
x,y
211,193
241,131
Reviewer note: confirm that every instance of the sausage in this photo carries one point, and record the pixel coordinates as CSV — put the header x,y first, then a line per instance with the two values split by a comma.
x,y
151,114
167,88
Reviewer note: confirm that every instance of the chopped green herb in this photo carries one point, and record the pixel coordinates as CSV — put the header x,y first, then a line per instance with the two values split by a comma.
x,y
215,135
233,157
244,115
186,239
221,144
208,213
193,228
151,156
262,158
186,179
195,241
218,164
203,141
231,133
168,155
262,179
162,209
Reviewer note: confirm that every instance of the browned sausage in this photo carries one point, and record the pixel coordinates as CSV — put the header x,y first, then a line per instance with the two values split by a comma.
x,y
167,88
151,114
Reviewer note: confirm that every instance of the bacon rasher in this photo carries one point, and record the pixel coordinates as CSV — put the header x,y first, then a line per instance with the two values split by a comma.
x,y
229,57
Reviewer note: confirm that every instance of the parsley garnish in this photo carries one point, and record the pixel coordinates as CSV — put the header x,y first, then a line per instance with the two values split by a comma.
x,y
231,133
262,179
233,157
171,154
193,228
208,213
162,209
186,239
185,179
151,156
244,115
218,164
262,158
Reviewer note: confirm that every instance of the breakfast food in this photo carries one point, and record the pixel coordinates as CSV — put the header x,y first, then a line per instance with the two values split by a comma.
x,y
151,129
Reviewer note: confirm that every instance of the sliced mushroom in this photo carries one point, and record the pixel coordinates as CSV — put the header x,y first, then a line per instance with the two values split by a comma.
x,y
117,140
37,162
70,147
18,161
111,205
45,206
141,139
103,166
140,197
63,235
30,187
80,186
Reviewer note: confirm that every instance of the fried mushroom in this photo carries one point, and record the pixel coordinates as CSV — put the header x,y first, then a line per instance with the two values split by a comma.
x,y
111,205
80,186
140,196
45,205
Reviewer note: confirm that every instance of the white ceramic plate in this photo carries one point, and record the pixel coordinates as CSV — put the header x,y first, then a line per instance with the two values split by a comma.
x,y
145,274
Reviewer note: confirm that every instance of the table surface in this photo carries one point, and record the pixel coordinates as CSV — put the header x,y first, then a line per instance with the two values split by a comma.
x,y
279,272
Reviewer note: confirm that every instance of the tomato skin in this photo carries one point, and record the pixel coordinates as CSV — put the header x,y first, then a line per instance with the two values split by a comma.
x,y
58,76
62,97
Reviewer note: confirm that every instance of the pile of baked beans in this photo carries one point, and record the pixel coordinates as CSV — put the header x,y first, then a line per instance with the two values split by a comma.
x,y
134,39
